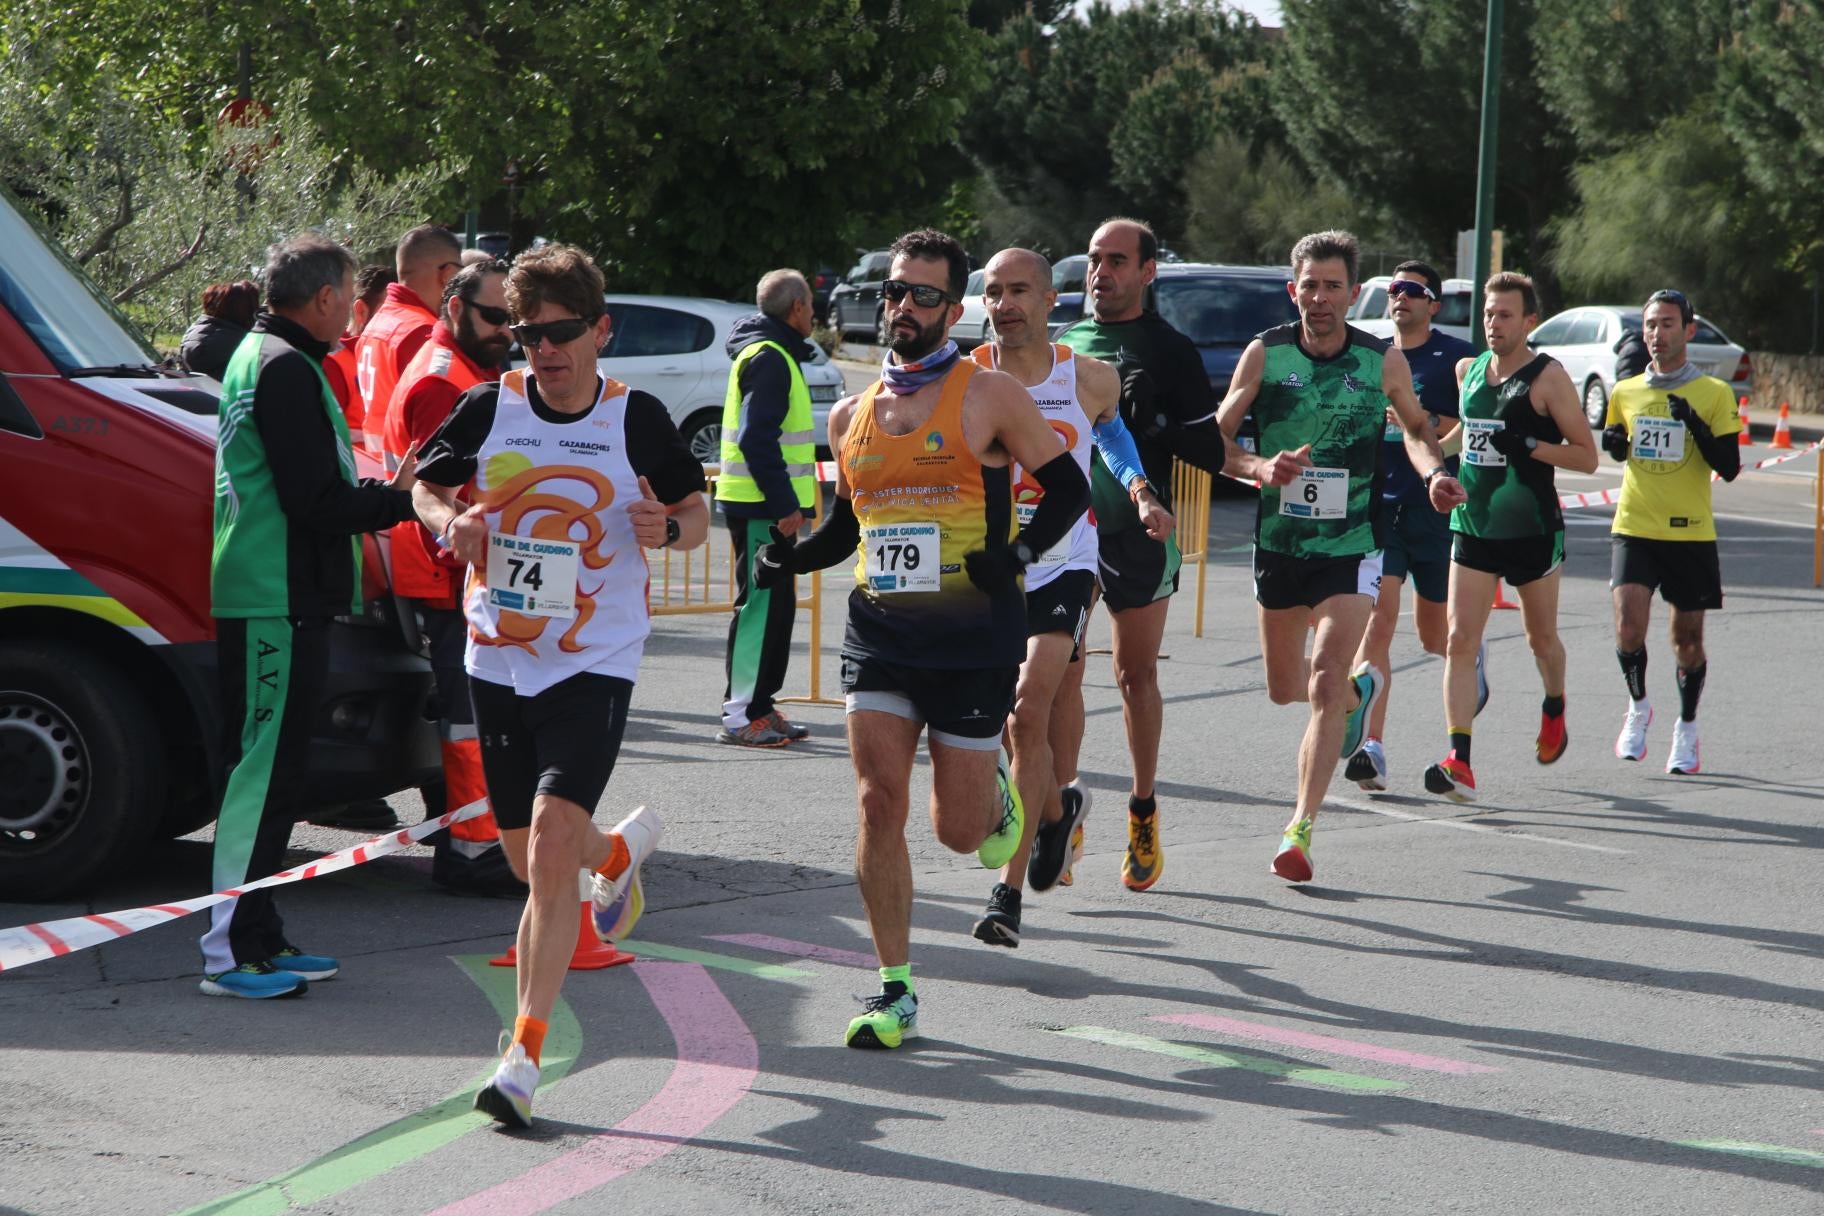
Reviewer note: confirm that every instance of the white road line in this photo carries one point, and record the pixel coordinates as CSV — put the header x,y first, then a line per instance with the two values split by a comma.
x,y
1505,834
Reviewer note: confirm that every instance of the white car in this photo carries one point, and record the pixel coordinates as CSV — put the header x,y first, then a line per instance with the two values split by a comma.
x,y
972,329
1584,339
675,347
1370,311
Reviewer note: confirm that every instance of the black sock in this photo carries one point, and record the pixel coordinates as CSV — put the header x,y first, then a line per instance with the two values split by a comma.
x,y
1141,808
1634,671
1459,743
1690,688
1553,707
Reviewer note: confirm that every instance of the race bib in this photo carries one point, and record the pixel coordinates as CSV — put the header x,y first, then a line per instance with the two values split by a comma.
x,y
902,557
1316,494
1660,439
532,576
1053,556
1476,447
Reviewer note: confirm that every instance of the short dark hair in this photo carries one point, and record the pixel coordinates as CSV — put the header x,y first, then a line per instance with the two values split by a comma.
x,y
236,302
1513,280
555,274
297,269
940,247
1424,270
467,282
1322,246
431,239
1665,295
371,282
1149,240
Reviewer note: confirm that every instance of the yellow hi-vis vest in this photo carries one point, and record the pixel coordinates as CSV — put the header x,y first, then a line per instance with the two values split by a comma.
x,y
797,437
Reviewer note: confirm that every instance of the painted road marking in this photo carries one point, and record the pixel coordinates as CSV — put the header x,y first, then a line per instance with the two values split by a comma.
x,y
1224,1059
718,1062
810,950
414,1136
1765,1152
1503,833
1322,1042
722,962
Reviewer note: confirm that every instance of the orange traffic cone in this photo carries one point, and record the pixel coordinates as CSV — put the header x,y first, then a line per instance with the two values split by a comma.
x,y
1501,600
1742,437
591,953
1782,430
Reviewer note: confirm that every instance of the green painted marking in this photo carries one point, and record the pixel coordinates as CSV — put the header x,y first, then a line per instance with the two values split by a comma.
x,y
724,962
1225,1059
407,1139
1766,1152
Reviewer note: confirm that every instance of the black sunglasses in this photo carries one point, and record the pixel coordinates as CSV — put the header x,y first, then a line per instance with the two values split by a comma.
x,y
489,313
1406,287
922,295
560,332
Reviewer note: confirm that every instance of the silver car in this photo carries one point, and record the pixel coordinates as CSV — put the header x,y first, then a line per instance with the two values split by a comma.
x,y
1584,340
972,329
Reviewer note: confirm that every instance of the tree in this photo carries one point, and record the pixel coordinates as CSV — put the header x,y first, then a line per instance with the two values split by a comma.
x,y
1772,108
1250,208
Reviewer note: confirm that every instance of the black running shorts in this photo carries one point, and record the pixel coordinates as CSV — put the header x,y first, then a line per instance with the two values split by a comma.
x,y
964,708
1518,559
561,742
1062,606
1284,581
1686,572
1135,570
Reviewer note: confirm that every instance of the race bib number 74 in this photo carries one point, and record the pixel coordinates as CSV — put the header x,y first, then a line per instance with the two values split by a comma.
x,y
532,576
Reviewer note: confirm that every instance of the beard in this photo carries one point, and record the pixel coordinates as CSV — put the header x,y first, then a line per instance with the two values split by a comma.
x,y
485,353
912,345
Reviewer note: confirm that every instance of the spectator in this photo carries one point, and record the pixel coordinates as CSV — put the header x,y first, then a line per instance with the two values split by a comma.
x,y
228,311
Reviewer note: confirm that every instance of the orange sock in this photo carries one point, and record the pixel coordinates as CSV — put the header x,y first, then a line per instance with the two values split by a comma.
x,y
529,1033
618,857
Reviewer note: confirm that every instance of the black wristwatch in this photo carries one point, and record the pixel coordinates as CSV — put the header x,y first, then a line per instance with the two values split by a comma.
x,y
672,532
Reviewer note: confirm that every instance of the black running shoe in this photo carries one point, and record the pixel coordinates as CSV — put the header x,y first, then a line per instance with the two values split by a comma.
x,y
1000,925
1051,845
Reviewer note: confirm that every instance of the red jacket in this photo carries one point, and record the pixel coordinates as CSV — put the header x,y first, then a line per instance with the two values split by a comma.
x,y
426,393
339,370
391,338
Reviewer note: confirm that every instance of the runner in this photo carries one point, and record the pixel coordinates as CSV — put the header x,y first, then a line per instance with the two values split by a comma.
x,y
1415,537
572,472
1664,534
937,622
1170,411
1080,399
1320,392
1522,420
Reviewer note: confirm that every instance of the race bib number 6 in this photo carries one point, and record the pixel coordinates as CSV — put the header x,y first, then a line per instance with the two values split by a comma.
x,y
1661,439
902,557
1476,448
532,576
1316,494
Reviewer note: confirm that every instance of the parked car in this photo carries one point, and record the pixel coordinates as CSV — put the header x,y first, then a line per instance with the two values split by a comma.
x,y
1070,275
1455,317
856,309
972,330
110,720
822,280
1584,340
1065,313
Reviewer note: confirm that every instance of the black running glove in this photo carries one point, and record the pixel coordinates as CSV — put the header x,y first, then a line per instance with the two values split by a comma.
x,y
1140,404
996,570
1720,454
773,562
1615,441
1512,444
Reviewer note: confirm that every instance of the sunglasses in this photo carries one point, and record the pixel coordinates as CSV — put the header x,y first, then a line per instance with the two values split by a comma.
x,y
925,297
489,313
1406,287
560,332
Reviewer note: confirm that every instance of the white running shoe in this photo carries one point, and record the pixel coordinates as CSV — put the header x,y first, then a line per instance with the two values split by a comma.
x,y
1682,758
1368,767
507,1097
618,901
1631,743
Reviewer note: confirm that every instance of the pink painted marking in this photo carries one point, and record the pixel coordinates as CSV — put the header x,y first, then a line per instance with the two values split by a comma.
x,y
785,945
111,925
717,1063
1817,1131
57,944
1322,1042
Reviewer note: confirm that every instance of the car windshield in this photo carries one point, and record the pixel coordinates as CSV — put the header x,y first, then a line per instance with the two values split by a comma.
x,y
65,313
1223,311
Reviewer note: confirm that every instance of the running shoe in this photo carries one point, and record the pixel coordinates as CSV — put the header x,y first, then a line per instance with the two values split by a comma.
x,y
759,733
998,848
890,1019
616,897
1553,738
1080,793
1368,767
785,726
1000,925
1368,683
1631,743
1145,858
1293,861
255,982
1451,778
310,966
1682,759
1051,847
507,1098
1481,678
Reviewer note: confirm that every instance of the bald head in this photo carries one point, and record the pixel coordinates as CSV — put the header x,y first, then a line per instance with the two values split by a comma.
x,y
1030,267
426,258
1017,295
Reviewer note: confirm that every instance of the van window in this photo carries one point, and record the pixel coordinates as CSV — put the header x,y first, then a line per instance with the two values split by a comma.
x,y
66,315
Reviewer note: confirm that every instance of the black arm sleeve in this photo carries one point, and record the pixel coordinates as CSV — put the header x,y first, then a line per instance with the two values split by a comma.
x,y
301,451
449,458
658,453
1724,454
1065,499
1191,404
832,542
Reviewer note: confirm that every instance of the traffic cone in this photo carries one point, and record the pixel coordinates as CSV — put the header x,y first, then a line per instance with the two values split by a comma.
x,y
1742,437
591,953
1782,430
1501,600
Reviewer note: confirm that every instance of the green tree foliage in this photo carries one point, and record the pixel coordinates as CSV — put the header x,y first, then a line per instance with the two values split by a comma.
x,y
1773,108
1249,207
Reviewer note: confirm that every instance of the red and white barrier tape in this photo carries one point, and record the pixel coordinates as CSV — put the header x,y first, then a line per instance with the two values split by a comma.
x,y
54,938
1603,498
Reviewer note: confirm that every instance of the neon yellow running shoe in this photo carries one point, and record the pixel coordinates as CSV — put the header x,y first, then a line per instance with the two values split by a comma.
x,y
890,1018
998,848
1293,861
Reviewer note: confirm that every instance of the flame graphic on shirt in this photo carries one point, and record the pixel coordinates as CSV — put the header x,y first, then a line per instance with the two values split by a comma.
x,y
1026,491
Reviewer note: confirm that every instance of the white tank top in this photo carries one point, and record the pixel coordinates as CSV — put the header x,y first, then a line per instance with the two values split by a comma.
x,y
560,482
1056,397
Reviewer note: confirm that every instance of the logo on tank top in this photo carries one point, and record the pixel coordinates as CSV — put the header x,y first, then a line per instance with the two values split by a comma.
x,y
1292,381
1352,385
934,442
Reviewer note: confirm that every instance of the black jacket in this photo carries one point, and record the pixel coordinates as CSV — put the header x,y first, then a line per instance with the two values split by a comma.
x,y
209,344
766,388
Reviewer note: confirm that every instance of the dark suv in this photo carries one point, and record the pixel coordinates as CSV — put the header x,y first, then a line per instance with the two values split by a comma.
x,y
1221,309
855,305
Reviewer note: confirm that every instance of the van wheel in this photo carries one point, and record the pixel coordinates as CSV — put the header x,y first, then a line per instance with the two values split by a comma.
x,y
1595,403
702,433
82,769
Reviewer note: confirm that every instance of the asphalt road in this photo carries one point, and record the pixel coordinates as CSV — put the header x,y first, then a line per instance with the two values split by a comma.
x,y
1599,990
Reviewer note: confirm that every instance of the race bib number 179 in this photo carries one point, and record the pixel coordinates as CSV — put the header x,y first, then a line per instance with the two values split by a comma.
x,y
903,557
